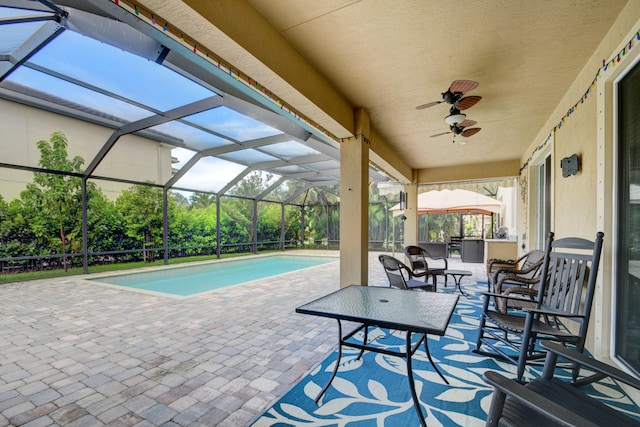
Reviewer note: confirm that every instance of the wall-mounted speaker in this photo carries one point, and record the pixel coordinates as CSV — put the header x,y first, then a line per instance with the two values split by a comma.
x,y
570,165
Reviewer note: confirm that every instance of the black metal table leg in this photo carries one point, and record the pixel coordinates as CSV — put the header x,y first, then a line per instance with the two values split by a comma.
x,y
412,385
457,278
364,342
426,349
335,369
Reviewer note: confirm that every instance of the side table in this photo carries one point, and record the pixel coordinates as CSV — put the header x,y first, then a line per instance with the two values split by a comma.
x,y
457,277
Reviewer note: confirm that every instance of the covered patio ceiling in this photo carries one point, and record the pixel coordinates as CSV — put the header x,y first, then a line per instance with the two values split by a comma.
x,y
326,58
114,70
293,73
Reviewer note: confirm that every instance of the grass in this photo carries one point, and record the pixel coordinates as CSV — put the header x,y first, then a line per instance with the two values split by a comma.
x,y
74,271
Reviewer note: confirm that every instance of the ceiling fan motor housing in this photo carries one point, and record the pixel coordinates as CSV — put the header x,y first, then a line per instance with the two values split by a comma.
x,y
457,130
451,97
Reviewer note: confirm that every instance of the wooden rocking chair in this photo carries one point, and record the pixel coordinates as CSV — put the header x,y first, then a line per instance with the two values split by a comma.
x,y
561,311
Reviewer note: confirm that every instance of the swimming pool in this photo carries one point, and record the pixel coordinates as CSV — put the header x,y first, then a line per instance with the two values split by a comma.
x,y
196,279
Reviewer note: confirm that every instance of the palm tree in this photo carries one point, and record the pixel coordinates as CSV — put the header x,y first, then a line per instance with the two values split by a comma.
x,y
202,200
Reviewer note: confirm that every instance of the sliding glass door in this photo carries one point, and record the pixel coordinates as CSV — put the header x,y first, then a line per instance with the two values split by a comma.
x,y
627,313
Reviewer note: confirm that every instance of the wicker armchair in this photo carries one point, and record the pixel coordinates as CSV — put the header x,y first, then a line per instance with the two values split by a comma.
x,y
421,265
400,276
515,277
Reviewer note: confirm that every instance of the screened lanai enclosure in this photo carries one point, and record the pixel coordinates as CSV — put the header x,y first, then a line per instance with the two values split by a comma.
x,y
122,139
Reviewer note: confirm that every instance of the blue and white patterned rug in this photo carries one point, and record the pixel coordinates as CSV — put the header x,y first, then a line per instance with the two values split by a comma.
x,y
374,390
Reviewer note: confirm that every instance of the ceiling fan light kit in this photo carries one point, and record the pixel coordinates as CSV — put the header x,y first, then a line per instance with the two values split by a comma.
x,y
456,120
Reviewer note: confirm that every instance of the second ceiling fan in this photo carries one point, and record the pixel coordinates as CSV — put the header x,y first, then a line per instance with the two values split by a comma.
x,y
461,129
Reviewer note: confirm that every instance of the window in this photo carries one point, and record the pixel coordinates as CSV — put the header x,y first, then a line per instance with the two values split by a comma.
x,y
542,217
627,315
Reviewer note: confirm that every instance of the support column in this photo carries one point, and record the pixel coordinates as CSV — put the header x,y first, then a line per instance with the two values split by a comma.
x,y
282,229
85,230
165,225
218,238
411,212
255,226
354,203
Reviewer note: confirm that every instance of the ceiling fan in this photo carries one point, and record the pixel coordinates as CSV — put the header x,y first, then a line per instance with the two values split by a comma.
x,y
461,128
454,96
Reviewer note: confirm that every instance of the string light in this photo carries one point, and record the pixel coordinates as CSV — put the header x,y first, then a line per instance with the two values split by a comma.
x,y
254,84
605,67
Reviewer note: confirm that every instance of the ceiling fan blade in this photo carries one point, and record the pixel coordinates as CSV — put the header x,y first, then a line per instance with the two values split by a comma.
x,y
427,105
470,132
454,93
468,102
463,86
440,134
467,123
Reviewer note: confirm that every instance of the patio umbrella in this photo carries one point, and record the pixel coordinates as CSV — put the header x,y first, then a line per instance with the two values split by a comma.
x,y
453,201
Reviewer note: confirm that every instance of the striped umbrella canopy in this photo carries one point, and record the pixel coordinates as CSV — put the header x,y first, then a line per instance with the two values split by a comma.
x,y
453,201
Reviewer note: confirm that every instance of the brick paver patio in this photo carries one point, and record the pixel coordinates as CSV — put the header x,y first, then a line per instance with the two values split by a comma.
x,y
74,353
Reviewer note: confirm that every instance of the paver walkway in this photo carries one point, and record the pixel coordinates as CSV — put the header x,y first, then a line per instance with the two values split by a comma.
x,y
74,353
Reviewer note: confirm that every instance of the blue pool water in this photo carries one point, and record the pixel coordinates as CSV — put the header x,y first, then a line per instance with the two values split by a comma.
x,y
190,280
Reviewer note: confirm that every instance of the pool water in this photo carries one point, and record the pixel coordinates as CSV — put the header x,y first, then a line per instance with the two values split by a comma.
x,y
191,280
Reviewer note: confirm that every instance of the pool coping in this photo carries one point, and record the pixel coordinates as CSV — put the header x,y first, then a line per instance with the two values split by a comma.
x,y
91,278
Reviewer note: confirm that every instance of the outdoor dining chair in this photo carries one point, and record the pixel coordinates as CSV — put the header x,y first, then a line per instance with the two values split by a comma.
x,y
419,261
400,276
561,311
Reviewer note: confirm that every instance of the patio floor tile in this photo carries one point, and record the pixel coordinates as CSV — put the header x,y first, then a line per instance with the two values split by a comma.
x,y
79,353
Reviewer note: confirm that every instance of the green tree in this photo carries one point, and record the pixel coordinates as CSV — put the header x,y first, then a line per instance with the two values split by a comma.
x,y
252,185
292,223
378,222
53,201
193,226
202,200
5,226
180,199
269,221
16,235
141,208
105,225
236,219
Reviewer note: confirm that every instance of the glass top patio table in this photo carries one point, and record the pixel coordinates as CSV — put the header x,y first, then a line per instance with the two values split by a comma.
x,y
422,312
409,311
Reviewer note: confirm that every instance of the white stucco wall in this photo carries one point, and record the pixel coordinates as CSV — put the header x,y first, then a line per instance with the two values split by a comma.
x,y
584,203
21,127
